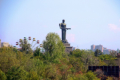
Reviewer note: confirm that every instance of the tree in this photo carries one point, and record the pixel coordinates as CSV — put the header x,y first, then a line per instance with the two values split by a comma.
x,y
2,75
26,47
106,57
8,58
15,73
113,53
37,52
53,45
76,53
99,73
111,63
91,76
97,53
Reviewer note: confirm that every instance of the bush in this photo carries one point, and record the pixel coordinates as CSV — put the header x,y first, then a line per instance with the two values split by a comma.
x,y
91,76
99,73
2,75
16,73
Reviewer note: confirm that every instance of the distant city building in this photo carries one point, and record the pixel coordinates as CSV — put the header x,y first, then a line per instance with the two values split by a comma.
x,y
118,50
5,44
95,47
106,51
101,48
104,48
74,48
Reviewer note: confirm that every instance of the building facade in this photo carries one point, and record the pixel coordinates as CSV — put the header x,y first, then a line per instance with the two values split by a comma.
x,y
95,47
106,51
5,44
101,48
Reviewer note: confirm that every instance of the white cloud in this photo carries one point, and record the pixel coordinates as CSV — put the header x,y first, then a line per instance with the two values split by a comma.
x,y
114,27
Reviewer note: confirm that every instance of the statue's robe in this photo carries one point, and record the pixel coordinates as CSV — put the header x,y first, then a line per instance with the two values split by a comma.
x,y
63,26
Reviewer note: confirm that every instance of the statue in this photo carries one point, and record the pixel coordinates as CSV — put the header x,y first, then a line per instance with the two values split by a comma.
x,y
63,28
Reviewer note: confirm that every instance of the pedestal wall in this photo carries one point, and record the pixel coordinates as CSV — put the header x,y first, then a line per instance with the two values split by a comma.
x,y
68,47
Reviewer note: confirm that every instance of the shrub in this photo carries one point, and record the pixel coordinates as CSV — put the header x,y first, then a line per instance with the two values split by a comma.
x,y
2,75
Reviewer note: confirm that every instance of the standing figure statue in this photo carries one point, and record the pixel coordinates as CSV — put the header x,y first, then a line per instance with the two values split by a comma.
x,y
63,28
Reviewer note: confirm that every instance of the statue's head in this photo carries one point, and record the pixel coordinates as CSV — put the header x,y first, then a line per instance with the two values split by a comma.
x,y
63,20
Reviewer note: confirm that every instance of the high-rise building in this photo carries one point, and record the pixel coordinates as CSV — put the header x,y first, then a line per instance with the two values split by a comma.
x,y
106,51
101,48
95,47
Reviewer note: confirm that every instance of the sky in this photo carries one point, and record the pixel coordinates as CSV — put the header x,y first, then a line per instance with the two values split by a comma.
x,y
91,21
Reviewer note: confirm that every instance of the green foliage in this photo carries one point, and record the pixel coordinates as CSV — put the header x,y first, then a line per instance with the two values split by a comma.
x,y
2,75
16,73
91,76
73,70
77,53
98,53
102,63
53,46
76,63
26,47
8,58
54,64
79,77
15,50
99,73
110,78
106,57
113,53
83,77
37,52
33,76
112,63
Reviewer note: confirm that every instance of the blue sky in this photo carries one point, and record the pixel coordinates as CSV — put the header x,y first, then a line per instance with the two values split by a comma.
x,y
91,21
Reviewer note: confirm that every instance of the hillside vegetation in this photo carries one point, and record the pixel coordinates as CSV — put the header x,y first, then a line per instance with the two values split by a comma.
x,y
54,64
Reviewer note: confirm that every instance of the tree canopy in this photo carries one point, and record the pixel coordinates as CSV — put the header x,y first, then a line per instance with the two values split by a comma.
x,y
53,45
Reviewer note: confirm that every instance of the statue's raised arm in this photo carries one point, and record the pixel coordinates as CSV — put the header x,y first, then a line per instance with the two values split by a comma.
x,y
67,28
60,25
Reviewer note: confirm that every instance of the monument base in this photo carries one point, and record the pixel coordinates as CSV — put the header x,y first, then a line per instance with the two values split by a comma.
x,y
68,47
64,41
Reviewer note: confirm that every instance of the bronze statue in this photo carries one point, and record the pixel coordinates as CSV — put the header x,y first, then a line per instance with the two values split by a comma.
x,y
63,28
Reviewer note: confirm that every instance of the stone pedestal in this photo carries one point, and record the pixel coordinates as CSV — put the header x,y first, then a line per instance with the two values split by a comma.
x,y
68,47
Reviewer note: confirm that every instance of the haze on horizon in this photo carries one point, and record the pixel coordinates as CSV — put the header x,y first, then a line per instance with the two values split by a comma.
x,y
91,21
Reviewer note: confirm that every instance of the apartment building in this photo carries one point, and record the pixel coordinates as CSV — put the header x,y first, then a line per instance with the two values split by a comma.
x,y
101,48
4,44
95,47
